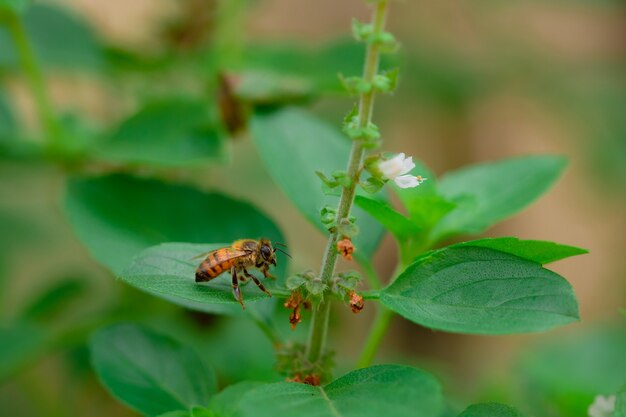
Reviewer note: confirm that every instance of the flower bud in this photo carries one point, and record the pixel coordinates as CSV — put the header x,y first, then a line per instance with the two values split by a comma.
x,y
346,248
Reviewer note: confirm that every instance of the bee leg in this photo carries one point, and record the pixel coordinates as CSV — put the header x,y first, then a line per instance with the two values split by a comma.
x,y
236,291
266,273
257,282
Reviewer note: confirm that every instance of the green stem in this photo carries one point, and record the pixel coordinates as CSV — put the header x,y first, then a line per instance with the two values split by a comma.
x,y
372,277
375,338
35,79
382,320
319,325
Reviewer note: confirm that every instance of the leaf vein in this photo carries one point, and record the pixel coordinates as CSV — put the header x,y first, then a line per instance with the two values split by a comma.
x,y
331,406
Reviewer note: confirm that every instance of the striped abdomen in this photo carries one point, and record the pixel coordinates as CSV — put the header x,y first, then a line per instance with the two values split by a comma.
x,y
217,262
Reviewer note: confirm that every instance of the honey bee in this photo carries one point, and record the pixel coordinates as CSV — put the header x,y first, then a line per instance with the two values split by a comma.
x,y
236,258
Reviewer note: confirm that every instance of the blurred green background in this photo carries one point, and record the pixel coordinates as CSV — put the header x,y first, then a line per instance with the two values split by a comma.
x,y
479,81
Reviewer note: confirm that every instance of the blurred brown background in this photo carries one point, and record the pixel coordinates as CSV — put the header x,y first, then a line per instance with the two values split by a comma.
x,y
532,77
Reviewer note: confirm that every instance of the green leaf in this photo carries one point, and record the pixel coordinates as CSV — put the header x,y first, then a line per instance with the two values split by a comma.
x,y
174,132
294,145
568,371
59,39
490,410
392,390
19,343
201,412
482,291
149,372
54,299
539,251
194,412
423,203
227,402
179,413
401,227
488,193
118,216
409,235
168,271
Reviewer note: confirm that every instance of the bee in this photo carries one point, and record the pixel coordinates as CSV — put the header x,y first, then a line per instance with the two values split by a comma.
x,y
236,259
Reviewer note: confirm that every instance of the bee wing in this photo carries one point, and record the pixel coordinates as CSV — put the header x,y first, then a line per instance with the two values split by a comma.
x,y
229,252
202,255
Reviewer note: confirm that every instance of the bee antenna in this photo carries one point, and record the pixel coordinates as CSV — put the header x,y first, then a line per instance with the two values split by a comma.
x,y
279,244
282,251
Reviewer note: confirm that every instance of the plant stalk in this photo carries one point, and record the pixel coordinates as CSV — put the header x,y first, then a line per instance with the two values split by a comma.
x,y
382,321
35,78
376,335
319,324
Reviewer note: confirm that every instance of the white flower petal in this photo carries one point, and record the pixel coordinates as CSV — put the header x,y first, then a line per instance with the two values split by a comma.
x,y
393,167
407,165
602,406
406,181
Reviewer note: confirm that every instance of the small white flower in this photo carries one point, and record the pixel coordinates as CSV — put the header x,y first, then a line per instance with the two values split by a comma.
x,y
397,168
406,181
602,406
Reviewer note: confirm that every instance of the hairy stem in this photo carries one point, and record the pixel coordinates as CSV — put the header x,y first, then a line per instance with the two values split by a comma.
x,y
319,324
31,69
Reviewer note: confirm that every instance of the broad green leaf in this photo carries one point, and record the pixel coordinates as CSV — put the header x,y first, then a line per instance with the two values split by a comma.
x,y
168,271
201,412
175,132
568,371
19,343
226,403
179,413
401,227
539,251
390,390
488,193
410,236
194,412
149,372
293,145
482,291
490,410
118,216
59,39
52,300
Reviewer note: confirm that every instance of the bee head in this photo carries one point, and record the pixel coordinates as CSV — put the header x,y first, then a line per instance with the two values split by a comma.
x,y
267,252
